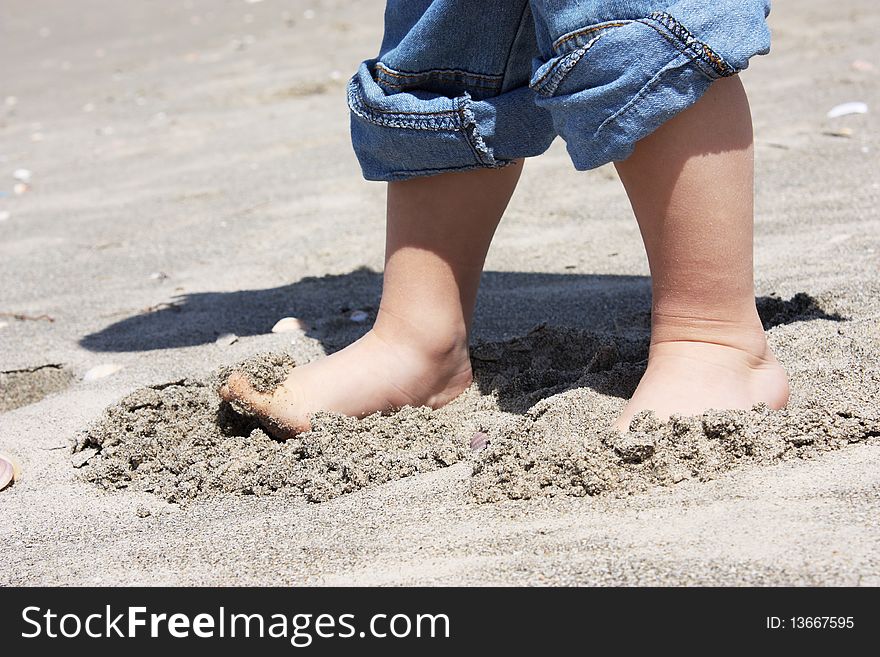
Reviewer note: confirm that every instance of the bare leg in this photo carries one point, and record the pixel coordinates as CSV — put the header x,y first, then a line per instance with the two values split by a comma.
x,y
438,233
691,188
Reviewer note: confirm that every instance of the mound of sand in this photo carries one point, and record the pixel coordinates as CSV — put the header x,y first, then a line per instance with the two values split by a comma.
x,y
546,401
544,455
180,441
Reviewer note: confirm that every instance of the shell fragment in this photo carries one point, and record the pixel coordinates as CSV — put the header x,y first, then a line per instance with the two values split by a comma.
x,y
479,441
22,175
288,324
101,371
9,471
844,109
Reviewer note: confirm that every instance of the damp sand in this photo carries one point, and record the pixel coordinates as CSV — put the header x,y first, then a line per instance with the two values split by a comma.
x,y
545,401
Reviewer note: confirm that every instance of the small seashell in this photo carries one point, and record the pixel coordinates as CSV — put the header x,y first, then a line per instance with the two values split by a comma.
x,y
862,65
4,215
479,441
288,324
79,459
839,132
158,276
20,188
101,371
855,107
4,324
227,339
9,471
358,317
6,473
22,175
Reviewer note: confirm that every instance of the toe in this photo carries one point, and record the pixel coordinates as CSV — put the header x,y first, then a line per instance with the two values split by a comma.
x,y
239,389
273,416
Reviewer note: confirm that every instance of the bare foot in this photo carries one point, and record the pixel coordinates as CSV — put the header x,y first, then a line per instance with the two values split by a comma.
x,y
690,377
372,374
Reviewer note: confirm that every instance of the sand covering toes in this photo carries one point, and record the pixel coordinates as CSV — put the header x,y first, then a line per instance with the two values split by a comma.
x,y
262,374
9,471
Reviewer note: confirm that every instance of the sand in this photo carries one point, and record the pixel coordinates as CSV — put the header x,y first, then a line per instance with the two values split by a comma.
x,y
26,386
192,179
544,401
178,441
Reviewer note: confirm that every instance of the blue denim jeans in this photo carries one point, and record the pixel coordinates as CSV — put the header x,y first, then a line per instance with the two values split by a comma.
x,y
462,84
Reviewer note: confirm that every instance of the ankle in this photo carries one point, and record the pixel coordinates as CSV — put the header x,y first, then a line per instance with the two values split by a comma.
x,y
438,339
743,331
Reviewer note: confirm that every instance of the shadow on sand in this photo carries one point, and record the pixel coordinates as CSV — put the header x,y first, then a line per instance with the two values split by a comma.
x,y
580,317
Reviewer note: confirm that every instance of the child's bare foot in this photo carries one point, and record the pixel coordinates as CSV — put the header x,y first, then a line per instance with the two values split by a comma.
x,y
373,374
439,230
689,376
691,186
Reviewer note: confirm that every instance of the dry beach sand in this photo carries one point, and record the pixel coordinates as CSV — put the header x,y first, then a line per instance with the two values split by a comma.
x,y
192,183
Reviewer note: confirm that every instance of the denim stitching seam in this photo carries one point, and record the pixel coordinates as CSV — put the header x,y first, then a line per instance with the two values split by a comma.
x,y
700,50
405,85
499,164
701,55
553,77
579,33
471,132
448,120
408,79
452,72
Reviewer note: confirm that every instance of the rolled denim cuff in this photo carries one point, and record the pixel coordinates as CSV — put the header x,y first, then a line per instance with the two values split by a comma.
x,y
402,135
613,83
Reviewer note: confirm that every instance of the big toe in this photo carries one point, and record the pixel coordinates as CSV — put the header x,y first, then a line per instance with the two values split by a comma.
x,y
239,389
273,416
